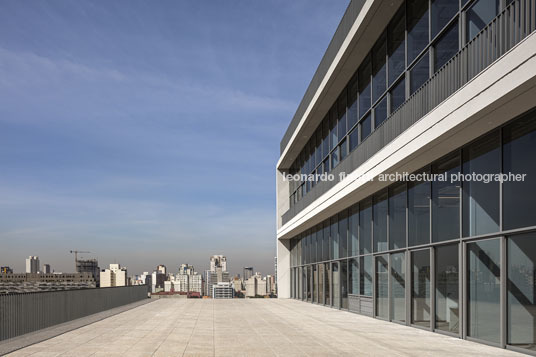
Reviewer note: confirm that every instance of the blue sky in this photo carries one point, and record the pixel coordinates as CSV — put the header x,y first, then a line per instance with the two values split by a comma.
x,y
147,132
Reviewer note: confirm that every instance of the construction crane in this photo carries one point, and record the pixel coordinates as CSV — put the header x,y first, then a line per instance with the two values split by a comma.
x,y
76,256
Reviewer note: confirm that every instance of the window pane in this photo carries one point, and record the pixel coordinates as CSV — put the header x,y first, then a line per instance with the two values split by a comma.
x,y
353,247
521,292
366,275
397,46
319,232
325,245
397,216
382,286
334,238
419,213
343,234
341,124
380,112
479,15
325,136
353,139
364,87
446,275
420,288
480,199
442,12
365,227
344,284
315,283
419,73
446,200
343,149
333,138
365,126
379,71
309,283
417,27
300,283
321,294
335,158
352,103
318,147
380,222
354,276
336,302
483,293
398,95
446,47
519,146
398,287
327,283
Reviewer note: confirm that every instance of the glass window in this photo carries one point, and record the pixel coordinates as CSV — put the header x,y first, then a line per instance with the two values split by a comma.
x,y
326,165
519,146
300,283
418,213
446,286
327,283
343,234
397,216
396,35
420,288
321,294
398,287
417,27
335,158
344,284
380,112
341,124
365,227
353,224
315,283
353,271
325,136
398,95
442,12
334,238
521,292
366,275
382,286
333,138
352,103
343,149
446,200
483,292
353,139
479,15
365,126
325,244
292,283
379,71
364,87
309,284
419,73
380,222
446,47
319,232
318,148
481,200
336,302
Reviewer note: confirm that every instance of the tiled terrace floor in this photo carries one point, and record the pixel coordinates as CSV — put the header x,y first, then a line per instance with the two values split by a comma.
x,y
251,327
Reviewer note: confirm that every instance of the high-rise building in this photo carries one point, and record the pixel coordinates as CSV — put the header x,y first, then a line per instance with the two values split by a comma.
x,y
222,291
190,280
32,264
47,269
88,266
218,261
248,272
406,179
115,276
161,269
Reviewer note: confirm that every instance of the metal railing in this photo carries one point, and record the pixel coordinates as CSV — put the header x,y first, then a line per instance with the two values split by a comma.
x,y
29,312
510,27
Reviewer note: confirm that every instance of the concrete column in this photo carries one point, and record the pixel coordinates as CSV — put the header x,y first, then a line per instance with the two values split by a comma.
x,y
283,268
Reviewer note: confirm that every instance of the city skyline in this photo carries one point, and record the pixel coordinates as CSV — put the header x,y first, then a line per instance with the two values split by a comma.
x,y
146,133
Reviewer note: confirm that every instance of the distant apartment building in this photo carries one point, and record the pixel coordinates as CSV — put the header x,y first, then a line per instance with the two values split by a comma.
x,y
90,266
157,281
32,264
237,284
30,282
222,291
47,269
217,274
218,261
114,276
161,269
251,286
247,273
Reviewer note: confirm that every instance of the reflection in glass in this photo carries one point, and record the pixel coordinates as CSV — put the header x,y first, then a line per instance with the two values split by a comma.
x,y
309,283
446,286
398,287
343,234
420,288
398,95
481,200
365,227
325,241
353,271
380,112
352,103
417,18
354,139
336,302
521,291
479,15
315,283
364,87
353,247
299,286
379,71
483,292
419,73
397,216
341,122
446,200
380,222
333,137
396,46
366,127
321,294
327,283
519,146
304,283
344,284
334,238
382,286
366,275
418,213
446,47
442,12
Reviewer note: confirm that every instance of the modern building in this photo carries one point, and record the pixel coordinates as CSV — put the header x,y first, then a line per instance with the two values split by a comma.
x,y
90,266
190,280
32,264
222,291
157,281
248,272
161,269
47,269
218,261
217,274
443,90
115,276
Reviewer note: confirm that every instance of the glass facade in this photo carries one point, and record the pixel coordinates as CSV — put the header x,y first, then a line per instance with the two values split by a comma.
x,y
457,243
